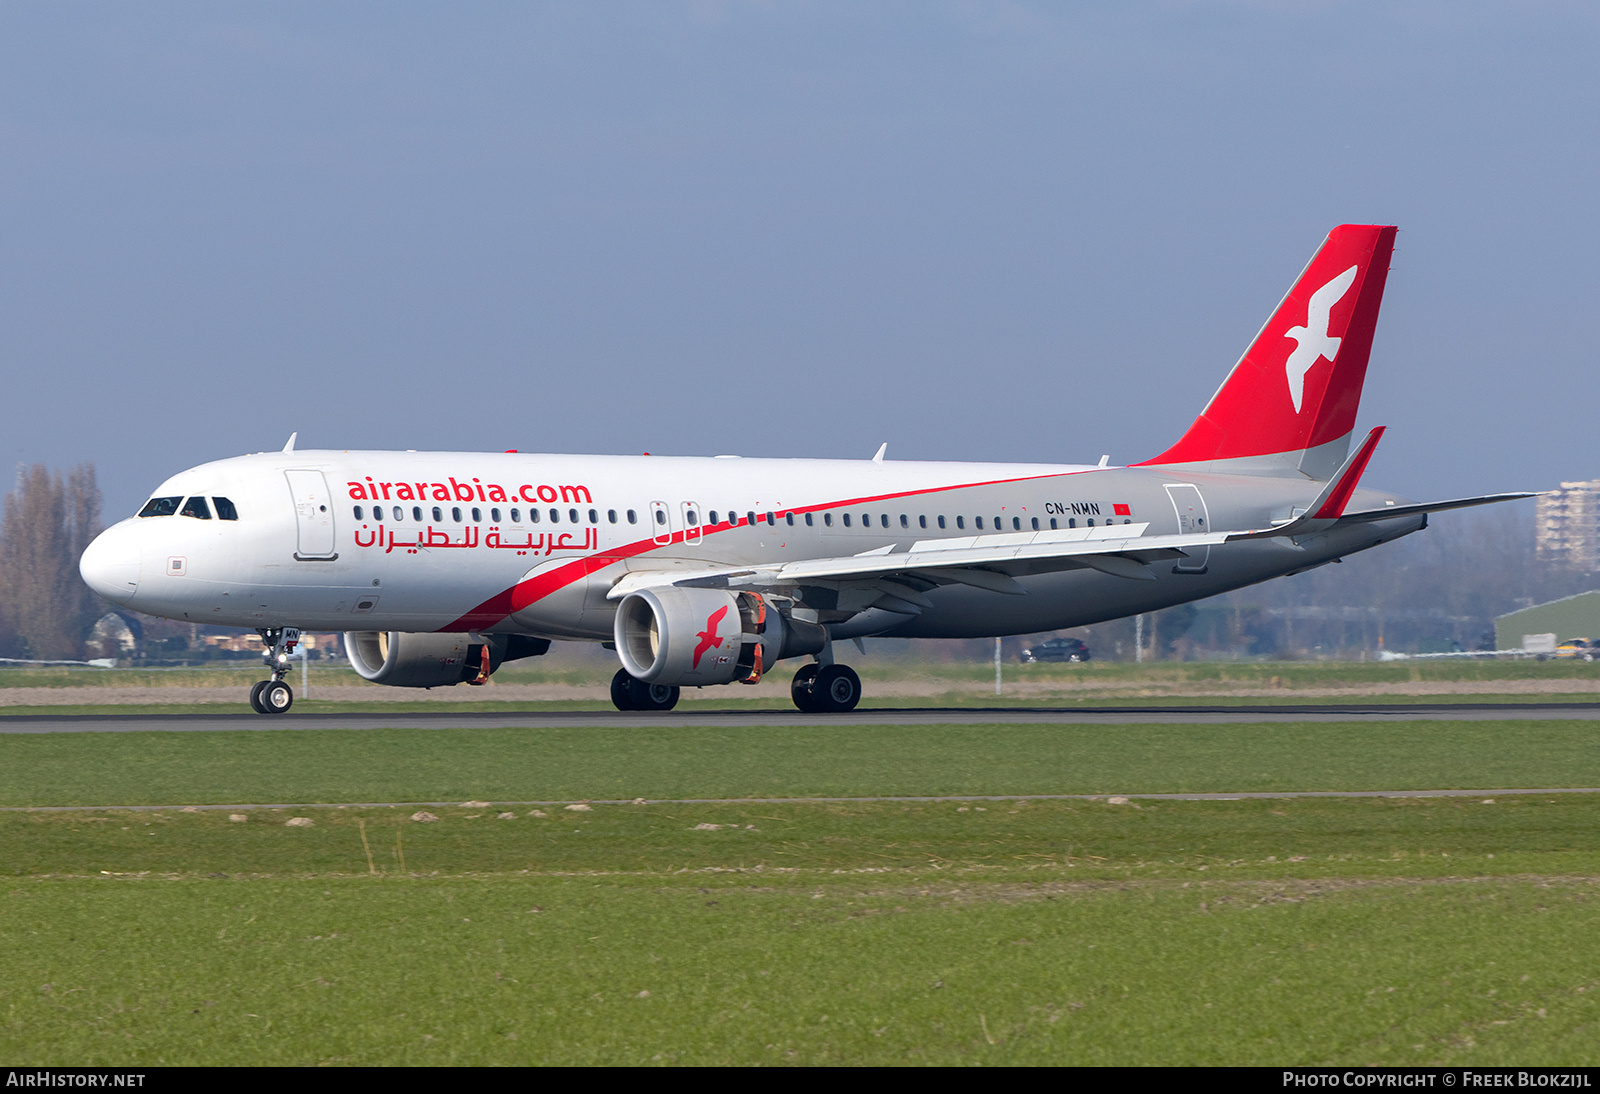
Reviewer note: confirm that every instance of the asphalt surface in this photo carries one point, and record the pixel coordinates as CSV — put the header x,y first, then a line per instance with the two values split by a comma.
x,y
779,717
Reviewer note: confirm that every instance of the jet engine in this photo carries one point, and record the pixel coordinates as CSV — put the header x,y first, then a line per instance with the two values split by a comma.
x,y
408,660
694,637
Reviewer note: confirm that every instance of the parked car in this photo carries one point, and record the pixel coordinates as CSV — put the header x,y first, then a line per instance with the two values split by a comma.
x,y
1055,649
1584,648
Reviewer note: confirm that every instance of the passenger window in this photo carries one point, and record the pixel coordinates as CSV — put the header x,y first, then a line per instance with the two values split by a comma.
x,y
555,516
516,516
477,515
1053,524
977,521
633,518
358,513
922,521
1091,522
1016,524
904,522
885,519
691,517
866,520
1035,524
438,515
808,520
494,515
611,515
1127,520
750,518
711,517
225,509
789,517
533,516
377,513
771,520
160,507
661,516
847,520
827,520
941,521
961,522
998,524
572,515
594,517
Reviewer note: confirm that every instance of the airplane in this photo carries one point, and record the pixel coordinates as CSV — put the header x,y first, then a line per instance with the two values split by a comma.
x,y
440,567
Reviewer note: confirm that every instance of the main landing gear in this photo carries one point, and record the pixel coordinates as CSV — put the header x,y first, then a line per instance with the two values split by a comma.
x,y
826,689
274,696
817,689
630,694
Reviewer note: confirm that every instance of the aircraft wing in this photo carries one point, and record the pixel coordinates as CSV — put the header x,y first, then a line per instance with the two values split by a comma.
x,y
1310,525
898,578
988,562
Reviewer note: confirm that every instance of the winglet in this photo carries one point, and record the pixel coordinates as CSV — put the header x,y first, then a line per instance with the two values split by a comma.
x,y
882,448
289,447
1329,505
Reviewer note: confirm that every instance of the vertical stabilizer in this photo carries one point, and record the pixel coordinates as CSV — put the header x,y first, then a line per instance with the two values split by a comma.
x,y
1290,403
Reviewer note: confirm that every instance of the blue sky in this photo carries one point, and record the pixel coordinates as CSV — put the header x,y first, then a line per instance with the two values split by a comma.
x,y
974,230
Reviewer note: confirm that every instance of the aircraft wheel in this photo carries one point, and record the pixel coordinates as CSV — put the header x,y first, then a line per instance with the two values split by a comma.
x,y
803,689
654,696
255,696
622,687
837,690
276,697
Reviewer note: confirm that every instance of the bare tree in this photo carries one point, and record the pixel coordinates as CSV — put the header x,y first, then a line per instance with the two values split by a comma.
x,y
46,607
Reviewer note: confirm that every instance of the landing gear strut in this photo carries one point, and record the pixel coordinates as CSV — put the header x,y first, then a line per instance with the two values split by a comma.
x,y
274,696
826,689
630,694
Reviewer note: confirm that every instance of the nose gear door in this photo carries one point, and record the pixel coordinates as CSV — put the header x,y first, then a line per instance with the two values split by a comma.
x,y
313,515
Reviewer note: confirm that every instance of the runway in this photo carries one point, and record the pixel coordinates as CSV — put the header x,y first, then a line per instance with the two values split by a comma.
x,y
788,717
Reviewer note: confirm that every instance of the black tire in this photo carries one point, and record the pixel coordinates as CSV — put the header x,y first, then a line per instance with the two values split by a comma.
x,y
630,694
802,689
255,696
276,697
654,696
622,691
837,690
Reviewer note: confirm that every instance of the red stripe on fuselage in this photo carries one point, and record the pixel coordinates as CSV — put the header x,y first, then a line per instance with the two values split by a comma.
x,y
521,595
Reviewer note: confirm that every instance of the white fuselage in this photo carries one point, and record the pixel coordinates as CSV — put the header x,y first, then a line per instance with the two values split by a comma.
x,y
531,544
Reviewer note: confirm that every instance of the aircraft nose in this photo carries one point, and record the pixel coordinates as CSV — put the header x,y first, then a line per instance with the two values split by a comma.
x,y
110,566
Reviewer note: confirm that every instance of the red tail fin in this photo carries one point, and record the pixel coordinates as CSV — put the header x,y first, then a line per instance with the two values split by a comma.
x,y
1290,403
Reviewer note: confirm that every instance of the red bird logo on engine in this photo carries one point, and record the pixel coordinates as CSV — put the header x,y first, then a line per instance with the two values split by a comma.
x,y
709,636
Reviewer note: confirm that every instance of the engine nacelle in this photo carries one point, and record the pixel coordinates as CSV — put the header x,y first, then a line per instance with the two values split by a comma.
x,y
695,637
405,659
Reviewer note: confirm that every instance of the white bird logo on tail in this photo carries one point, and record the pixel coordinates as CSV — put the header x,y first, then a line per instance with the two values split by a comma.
x,y
1312,340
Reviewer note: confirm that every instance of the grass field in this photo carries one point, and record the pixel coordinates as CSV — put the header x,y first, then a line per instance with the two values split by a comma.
x,y
1250,931
655,761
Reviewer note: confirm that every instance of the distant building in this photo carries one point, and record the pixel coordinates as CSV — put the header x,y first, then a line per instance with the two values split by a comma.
x,y
1565,619
1567,528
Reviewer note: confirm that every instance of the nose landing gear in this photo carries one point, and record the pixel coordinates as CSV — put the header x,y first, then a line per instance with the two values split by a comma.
x,y
274,696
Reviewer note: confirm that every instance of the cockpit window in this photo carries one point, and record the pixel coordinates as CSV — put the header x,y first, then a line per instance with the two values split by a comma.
x,y
160,507
197,508
225,509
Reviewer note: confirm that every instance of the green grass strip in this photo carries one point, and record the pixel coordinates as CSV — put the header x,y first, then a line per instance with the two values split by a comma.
x,y
653,761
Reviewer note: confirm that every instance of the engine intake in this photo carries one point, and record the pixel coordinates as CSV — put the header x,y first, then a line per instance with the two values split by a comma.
x,y
695,637
405,659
